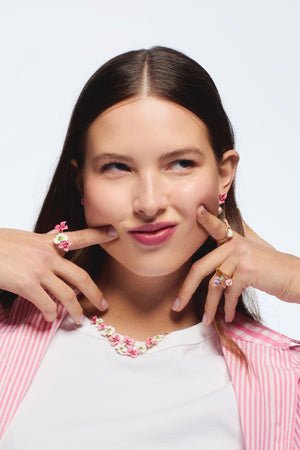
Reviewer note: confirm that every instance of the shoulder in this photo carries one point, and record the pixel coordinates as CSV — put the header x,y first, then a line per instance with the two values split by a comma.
x,y
271,377
26,316
248,333
245,329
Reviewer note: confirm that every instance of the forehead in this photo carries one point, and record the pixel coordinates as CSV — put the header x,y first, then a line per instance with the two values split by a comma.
x,y
151,123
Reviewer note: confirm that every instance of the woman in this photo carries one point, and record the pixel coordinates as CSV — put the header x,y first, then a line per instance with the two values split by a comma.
x,y
148,164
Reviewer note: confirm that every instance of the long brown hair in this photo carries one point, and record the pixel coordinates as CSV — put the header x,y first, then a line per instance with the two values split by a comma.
x,y
160,72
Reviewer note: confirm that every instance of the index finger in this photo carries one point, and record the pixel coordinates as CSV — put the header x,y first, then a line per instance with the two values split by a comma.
x,y
91,236
212,224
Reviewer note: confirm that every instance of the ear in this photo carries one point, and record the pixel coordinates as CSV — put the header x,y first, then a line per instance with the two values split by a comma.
x,y
77,176
227,169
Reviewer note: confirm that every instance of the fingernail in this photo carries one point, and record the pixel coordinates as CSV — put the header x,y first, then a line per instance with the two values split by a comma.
x,y
104,304
112,232
80,320
176,305
204,319
202,210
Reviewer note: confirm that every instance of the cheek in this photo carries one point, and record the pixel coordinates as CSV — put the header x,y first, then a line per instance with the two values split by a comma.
x,y
200,191
103,205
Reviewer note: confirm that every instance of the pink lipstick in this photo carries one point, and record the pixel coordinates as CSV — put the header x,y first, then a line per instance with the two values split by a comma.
x,y
153,233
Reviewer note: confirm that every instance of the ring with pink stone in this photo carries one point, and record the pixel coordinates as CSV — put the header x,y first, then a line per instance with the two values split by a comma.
x,y
222,279
61,239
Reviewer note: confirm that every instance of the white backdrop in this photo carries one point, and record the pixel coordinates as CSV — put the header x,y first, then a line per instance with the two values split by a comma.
x,y
251,49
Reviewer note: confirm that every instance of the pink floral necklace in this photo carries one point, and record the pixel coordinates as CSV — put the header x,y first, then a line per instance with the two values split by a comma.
x,y
124,345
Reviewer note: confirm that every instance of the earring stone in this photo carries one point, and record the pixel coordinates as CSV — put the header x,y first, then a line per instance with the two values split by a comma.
x,y
222,198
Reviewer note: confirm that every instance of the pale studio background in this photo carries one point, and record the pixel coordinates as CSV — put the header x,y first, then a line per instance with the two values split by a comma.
x,y
251,49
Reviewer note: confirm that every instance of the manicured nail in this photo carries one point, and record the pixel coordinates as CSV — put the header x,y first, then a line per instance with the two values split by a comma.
x,y
112,232
204,319
104,304
80,320
202,210
176,305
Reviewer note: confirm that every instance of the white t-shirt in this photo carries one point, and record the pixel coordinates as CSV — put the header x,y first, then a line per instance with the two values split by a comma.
x,y
85,395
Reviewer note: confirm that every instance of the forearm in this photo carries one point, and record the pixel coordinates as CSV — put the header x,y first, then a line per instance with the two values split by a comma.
x,y
291,266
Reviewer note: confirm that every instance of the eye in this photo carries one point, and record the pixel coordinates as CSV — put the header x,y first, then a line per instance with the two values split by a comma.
x,y
183,164
114,167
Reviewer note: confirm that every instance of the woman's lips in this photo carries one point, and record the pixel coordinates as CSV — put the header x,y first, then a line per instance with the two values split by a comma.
x,y
153,234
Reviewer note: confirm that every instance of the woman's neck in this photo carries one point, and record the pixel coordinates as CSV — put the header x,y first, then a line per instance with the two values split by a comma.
x,y
139,306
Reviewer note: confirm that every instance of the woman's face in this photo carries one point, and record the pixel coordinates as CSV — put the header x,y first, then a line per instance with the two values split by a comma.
x,y
149,166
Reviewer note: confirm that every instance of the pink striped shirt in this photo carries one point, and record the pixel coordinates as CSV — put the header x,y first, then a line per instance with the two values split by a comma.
x,y
268,399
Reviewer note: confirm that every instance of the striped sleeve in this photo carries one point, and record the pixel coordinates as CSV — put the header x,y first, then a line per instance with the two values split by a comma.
x,y
24,337
268,395
295,355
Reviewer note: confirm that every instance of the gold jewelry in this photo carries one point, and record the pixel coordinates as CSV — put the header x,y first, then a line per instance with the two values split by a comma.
x,y
222,279
229,233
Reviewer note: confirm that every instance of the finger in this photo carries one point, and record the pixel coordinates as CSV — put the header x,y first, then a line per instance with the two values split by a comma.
x,y
43,302
53,231
79,278
91,236
199,270
65,295
213,298
232,295
231,301
216,289
212,224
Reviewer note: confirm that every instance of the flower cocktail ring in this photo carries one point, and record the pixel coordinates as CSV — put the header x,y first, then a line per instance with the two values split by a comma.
x,y
61,239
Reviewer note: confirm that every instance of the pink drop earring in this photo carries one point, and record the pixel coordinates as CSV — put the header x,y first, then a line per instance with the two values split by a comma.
x,y
222,198
82,201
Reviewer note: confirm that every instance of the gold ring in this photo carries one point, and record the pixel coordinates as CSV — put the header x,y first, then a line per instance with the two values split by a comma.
x,y
222,279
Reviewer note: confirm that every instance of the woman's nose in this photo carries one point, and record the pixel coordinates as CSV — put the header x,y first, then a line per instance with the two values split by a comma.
x,y
150,197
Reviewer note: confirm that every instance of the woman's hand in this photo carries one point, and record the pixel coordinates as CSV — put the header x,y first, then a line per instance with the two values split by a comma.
x,y
248,261
31,264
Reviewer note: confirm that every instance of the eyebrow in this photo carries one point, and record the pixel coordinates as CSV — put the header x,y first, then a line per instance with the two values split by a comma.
x,y
178,153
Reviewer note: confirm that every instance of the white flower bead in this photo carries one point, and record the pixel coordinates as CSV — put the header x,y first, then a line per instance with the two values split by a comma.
x,y
141,348
121,348
60,237
158,338
108,331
